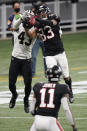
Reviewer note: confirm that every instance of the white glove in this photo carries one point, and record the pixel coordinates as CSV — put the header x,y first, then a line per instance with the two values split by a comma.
x,y
25,14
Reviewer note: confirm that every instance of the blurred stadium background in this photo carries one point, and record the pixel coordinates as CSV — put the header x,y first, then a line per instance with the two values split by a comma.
x,y
74,25
72,12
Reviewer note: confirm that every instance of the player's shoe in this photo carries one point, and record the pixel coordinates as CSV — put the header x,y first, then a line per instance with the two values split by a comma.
x,y
71,97
74,129
26,105
13,101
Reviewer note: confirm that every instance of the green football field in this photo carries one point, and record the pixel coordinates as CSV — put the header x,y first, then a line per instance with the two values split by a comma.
x,y
16,119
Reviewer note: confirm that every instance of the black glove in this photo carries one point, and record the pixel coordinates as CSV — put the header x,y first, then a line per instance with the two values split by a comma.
x,y
26,23
74,129
33,113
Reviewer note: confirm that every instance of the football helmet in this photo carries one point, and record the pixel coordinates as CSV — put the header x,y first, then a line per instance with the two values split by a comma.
x,y
35,6
43,8
54,74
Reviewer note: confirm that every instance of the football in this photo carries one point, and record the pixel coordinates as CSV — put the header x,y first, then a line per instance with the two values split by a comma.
x,y
32,20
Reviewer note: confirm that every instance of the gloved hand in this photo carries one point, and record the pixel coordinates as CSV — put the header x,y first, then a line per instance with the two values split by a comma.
x,y
25,15
26,23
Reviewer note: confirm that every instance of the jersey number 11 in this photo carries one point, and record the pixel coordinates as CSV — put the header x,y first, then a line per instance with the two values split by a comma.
x,y
43,104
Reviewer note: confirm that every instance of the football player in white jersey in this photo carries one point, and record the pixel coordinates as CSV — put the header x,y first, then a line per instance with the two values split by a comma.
x,y
21,59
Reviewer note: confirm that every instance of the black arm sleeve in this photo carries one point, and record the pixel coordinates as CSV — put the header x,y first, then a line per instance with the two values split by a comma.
x,y
45,22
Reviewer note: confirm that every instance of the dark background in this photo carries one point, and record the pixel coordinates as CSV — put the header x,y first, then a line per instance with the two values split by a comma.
x,y
30,1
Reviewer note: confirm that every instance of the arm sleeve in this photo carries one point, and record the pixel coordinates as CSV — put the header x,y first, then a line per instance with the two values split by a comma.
x,y
53,16
32,106
33,103
45,22
17,23
65,106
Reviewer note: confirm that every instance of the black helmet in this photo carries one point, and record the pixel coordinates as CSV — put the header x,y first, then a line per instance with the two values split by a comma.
x,y
36,5
43,8
54,74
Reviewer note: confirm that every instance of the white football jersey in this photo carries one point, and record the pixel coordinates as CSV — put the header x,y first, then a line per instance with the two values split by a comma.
x,y
22,43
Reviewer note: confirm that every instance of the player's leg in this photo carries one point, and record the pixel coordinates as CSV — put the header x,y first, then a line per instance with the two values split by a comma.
x,y
35,50
27,75
13,73
68,81
44,61
58,126
33,127
54,125
50,61
42,123
62,60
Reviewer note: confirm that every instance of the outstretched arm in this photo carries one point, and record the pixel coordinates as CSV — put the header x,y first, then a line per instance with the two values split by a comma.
x,y
17,23
69,116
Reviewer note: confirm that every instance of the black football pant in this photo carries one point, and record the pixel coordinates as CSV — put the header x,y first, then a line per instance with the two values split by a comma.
x,y
23,67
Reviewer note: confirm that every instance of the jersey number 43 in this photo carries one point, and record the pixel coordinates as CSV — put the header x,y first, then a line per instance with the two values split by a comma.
x,y
21,37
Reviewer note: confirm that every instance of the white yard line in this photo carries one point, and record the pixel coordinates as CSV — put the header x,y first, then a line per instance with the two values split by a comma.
x,y
82,72
78,88
4,106
2,117
76,105
79,83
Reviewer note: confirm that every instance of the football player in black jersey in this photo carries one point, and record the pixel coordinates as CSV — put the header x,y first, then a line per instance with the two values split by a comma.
x,y
50,33
47,99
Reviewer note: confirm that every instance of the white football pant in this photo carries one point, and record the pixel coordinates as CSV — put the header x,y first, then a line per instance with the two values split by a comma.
x,y
45,123
60,60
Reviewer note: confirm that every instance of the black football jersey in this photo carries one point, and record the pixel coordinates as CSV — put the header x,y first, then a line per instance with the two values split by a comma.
x,y
48,98
52,40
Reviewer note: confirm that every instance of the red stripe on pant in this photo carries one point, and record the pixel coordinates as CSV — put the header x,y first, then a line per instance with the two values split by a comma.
x,y
59,126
